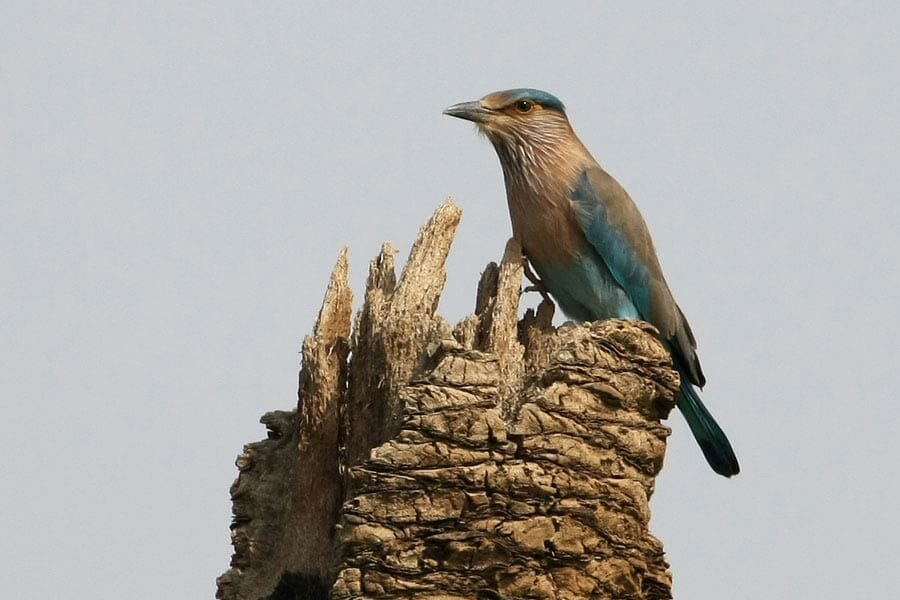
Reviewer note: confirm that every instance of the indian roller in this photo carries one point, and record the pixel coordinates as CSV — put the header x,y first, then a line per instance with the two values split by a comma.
x,y
586,239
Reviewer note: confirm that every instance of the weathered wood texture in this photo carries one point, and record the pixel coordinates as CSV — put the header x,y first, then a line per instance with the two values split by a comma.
x,y
502,458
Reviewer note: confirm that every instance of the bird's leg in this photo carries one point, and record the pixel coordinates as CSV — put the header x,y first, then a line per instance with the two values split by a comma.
x,y
536,284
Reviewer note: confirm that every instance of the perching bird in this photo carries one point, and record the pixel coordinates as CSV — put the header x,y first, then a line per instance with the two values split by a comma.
x,y
586,239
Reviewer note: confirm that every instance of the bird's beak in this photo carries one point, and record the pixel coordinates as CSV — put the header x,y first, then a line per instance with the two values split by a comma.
x,y
470,111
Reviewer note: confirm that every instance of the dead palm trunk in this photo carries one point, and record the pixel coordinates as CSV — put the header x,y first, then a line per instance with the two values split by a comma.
x,y
497,459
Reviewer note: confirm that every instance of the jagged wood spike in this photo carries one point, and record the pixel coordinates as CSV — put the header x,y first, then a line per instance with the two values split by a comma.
x,y
289,490
502,334
424,275
318,490
366,385
394,331
324,354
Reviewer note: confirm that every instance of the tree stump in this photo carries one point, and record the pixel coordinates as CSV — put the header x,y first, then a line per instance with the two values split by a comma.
x,y
500,458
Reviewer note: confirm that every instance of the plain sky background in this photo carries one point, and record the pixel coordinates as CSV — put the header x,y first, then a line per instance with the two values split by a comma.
x,y
176,181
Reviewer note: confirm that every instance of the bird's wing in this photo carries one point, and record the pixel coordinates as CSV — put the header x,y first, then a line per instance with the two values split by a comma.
x,y
615,228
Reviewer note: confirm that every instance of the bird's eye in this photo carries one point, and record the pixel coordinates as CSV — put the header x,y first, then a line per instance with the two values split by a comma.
x,y
524,106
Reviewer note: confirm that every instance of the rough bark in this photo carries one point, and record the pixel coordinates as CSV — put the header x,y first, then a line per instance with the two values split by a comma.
x,y
502,458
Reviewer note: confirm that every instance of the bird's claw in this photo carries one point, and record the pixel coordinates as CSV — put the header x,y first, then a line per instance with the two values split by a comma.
x,y
536,284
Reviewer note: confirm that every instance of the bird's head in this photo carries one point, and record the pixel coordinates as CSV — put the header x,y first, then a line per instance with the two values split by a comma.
x,y
528,128
516,117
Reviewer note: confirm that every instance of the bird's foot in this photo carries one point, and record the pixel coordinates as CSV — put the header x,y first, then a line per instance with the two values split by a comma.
x,y
536,284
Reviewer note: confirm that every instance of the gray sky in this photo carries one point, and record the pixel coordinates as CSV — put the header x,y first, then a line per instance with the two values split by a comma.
x,y
178,180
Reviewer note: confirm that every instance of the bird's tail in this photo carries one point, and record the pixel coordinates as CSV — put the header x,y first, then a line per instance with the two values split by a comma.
x,y
712,440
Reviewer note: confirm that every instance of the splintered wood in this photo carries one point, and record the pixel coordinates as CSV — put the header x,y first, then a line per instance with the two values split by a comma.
x,y
501,458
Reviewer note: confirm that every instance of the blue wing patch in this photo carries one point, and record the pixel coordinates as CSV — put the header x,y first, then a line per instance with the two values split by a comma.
x,y
612,245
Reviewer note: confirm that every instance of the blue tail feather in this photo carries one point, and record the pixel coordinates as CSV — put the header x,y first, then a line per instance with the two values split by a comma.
x,y
712,440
